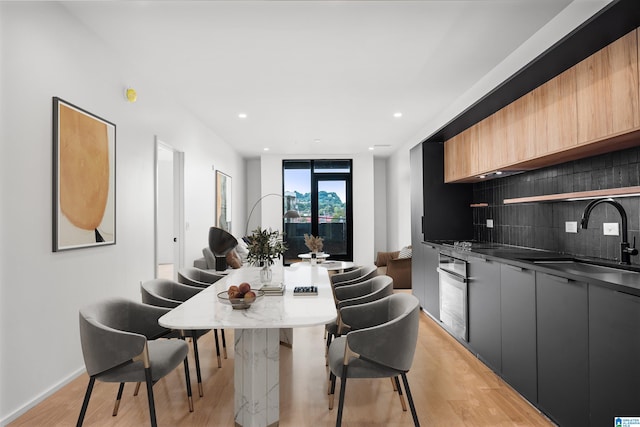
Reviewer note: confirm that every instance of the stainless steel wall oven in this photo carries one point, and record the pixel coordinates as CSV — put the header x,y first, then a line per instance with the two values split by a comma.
x,y
453,281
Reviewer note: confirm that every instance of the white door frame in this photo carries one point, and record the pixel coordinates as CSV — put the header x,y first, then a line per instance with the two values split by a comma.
x,y
178,206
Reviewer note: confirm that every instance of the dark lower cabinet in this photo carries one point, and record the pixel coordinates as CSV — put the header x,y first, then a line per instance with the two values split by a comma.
x,y
431,281
418,272
484,310
562,348
614,355
518,320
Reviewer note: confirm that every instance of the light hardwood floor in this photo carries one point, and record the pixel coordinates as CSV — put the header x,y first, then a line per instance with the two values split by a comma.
x,y
450,387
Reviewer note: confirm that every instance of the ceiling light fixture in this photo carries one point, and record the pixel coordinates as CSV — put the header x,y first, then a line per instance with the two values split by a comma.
x,y
242,116
266,148
371,148
397,115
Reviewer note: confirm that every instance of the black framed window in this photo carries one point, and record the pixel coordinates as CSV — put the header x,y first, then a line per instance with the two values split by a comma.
x,y
320,192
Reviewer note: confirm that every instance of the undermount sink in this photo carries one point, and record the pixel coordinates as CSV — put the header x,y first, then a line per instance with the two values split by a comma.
x,y
580,267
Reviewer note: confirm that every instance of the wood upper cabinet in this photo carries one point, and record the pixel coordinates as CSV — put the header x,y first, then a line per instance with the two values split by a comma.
x,y
519,119
591,108
556,115
461,155
607,90
491,142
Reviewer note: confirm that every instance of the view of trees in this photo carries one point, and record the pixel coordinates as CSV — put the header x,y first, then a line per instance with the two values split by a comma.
x,y
330,207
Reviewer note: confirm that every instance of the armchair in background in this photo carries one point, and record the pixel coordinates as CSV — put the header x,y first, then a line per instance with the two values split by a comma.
x,y
396,264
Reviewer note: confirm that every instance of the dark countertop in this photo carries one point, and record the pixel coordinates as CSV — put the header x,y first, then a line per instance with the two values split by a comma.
x,y
592,270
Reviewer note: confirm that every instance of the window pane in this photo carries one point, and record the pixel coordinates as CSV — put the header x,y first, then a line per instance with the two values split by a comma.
x,y
332,220
297,197
331,166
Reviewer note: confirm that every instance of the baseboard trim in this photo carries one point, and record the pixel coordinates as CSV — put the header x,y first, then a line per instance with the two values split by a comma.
x,y
39,398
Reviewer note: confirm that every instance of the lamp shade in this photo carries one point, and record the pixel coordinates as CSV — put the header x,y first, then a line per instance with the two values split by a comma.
x,y
221,241
290,214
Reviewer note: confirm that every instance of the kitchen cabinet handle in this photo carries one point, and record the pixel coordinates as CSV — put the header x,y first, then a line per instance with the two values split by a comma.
x,y
452,276
630,297
516,268
558,278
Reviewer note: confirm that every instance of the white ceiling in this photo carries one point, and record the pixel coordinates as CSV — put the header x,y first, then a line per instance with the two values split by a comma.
x,y
320,77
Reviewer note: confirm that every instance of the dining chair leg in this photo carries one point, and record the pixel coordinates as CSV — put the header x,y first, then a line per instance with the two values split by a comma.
x,y
411,404
152,406
396,382
343,386
118,398
332,390
85,402
326,350
224,344
187,379
332,379
137,389
196,356
393,383
215,336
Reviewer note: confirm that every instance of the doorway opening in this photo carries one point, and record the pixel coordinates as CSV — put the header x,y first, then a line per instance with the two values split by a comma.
x,y
169,211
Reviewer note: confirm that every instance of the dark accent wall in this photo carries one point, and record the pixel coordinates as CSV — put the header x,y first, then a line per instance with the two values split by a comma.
x,y
542,225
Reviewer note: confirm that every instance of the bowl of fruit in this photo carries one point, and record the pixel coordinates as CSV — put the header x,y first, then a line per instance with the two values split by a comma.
x,y
240,297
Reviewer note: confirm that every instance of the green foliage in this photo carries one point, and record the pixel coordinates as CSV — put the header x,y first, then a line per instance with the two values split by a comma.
x,y
264,246
329,205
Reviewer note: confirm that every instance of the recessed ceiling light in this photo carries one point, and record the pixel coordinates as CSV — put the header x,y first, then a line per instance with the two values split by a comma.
x,y
317,141
397,115
242,116
498,172
266,148
371,148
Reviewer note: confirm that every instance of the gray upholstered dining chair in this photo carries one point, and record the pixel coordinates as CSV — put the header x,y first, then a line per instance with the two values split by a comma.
x,y
203,279
120,344
358,293
170,294
354,276
381,345
196,277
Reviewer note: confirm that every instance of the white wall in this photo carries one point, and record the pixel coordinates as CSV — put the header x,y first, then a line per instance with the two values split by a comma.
x,y
45,52
364,210
253,192
399,200
381,205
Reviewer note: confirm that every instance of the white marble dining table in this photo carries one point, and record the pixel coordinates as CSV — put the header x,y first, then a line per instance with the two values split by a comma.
x,y
257,331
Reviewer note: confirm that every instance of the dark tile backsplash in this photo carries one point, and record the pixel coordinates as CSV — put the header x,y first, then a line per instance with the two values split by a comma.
x,y
542,225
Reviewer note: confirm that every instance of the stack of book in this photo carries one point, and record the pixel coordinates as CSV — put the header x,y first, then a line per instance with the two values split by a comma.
x,y
305,291
273,289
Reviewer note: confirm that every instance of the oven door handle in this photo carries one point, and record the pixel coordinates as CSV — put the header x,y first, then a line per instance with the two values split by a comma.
x,y
453,276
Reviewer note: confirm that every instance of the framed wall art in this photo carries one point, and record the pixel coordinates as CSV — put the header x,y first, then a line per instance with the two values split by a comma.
x,y
223,201
84,178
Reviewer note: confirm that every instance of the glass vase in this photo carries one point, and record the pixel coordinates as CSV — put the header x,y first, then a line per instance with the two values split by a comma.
x,y
266,274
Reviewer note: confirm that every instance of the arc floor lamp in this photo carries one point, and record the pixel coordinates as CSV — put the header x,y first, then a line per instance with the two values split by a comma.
x,y
290,214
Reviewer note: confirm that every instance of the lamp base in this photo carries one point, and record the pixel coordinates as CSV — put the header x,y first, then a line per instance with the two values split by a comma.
x,y
221,262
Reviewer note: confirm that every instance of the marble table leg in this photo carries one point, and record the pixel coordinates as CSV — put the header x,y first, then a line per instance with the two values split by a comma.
x,y
286,337
256,377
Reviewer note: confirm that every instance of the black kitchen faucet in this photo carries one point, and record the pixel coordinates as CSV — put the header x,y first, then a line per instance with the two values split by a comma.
x,y
625,250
